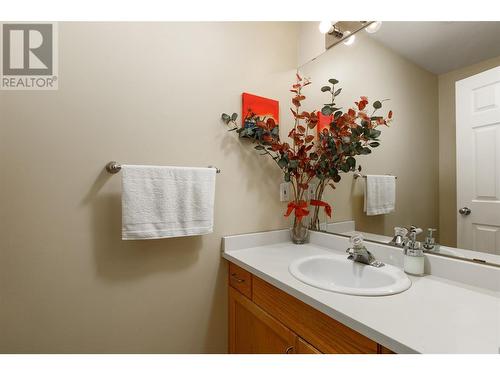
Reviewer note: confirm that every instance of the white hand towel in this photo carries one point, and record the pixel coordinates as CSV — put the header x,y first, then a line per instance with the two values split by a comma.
x,y
380,194
162,202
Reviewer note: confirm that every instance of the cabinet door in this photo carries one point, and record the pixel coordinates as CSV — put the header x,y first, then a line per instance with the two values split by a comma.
x,y
303,347
253,331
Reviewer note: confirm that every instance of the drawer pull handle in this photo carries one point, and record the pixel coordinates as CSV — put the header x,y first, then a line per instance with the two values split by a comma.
x,y
289,350
237,279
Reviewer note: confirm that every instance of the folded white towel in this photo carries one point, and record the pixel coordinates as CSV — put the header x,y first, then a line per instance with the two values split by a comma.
x,y
161,202
380,194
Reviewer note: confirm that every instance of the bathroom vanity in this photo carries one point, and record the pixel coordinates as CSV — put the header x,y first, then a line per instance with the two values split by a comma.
x,y
265,319
271,311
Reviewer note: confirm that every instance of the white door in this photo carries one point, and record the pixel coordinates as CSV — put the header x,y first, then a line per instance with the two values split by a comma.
x,y
478,161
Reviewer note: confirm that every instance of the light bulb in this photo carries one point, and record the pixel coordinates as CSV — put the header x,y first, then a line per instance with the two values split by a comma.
x,y
350,40
374,27
325,27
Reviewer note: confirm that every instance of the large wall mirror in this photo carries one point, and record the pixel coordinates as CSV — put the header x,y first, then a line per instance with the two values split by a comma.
x,y
442,84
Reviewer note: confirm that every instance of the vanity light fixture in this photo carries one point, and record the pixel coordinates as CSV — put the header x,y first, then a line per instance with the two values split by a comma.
x,y
325,27
373,27
331,28
350,40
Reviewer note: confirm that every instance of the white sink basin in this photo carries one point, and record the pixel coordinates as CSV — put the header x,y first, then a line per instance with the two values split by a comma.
x,y
338,274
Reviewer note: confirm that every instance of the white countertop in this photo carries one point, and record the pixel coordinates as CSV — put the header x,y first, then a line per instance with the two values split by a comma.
x,y
435,315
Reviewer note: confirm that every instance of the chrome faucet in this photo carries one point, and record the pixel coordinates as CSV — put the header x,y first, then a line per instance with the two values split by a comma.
x,y
402,235
359,253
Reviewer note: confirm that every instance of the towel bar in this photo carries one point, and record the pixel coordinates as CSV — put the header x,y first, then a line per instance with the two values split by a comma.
x,y
358,175
114,167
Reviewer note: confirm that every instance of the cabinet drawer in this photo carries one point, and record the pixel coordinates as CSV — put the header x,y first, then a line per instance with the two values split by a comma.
x,y
240,279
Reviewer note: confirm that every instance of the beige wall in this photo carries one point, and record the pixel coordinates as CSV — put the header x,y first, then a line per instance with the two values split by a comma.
x,y
447,147
409,146
144,94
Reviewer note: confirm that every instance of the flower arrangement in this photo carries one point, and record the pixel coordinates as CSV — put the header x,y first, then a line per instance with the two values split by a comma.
x,y
306,157
350,133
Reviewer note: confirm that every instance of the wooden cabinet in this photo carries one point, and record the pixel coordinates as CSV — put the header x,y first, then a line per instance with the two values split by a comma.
x,y
253,331
264,319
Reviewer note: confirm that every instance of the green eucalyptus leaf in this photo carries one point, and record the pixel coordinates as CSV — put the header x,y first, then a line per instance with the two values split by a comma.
x,y
333,81
259,147
377,104
234,116
374,144
287,177
337,92
326,88
225,117
282,163
326,110
293,164
351,162
337,114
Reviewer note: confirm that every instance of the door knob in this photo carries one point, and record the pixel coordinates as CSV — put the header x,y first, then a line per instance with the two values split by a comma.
x,y
464,211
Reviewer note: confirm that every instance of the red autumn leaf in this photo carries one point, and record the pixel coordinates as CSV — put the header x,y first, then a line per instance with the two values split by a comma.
x,y
390,114
363,116
271,123
267,138
301,129
351,112
362,105
309,138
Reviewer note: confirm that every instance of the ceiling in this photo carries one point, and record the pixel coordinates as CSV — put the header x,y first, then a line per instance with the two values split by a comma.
x,y
440,47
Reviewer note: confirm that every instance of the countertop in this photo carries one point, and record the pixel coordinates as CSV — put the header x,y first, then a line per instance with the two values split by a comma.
x,y
435,315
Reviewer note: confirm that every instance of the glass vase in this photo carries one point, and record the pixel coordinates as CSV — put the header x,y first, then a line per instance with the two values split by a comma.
x,y
299,231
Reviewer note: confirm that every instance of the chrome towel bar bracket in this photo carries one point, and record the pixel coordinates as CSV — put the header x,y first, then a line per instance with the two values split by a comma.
x,y
114,167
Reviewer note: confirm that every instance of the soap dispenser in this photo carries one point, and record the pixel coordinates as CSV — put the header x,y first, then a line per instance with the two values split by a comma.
x,y
413,256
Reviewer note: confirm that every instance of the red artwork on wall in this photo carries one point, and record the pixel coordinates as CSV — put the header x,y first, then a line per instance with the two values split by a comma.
x,y
323,122
253,105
